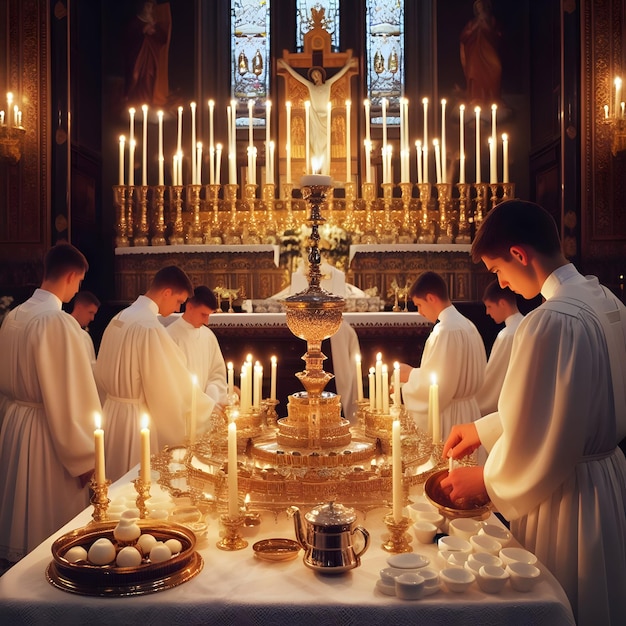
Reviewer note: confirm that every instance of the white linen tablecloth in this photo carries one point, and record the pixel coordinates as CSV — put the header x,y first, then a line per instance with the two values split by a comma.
x,y
237,588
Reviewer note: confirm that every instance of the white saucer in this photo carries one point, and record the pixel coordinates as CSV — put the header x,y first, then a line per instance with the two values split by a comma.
x,y
383,587
407,560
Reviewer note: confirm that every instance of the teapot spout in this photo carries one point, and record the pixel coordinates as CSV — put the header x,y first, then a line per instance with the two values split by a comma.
x,y
294,511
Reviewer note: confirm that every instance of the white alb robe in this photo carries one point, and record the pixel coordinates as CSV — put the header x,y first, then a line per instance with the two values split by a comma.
x,y
203,357
455,353
141,369
46,441
553,467
497,364
344,346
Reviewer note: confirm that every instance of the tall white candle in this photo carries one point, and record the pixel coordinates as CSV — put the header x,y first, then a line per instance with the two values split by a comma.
x,y
230,376
307,136
384,114
434,399
233,483
194,167
212,166
462,144
161,157
120,175
397,396
9,106
288,147
211,123
268,117
193,415
144,146
270,164
249,379
131,163
274,362
243,387
144,467
371,377
174,170
418,156
385,388
199,163
232,159
396,471
368,160
329,134
367,106
505,158
131,129
257,389
250,122
379,382
493,168
437,160
477,112
348,143
251,172
425,144
218,164
494,111
1,118
359,378
618,95
444,156
179,163
179,140
98,435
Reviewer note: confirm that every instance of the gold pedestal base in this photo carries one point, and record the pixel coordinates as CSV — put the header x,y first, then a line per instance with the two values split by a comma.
x,y
100,500
399,540
232,540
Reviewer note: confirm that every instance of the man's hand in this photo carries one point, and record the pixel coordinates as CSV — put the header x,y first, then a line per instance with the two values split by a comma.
x,y
462,440
465,483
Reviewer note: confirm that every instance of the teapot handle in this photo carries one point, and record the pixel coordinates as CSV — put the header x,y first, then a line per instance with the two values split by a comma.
x,y
366,538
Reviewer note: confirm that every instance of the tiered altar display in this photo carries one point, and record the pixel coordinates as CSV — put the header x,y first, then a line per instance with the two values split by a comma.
x,y
313,454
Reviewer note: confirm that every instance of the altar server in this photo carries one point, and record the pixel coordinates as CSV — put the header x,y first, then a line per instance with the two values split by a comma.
x,y
86,305
454,352
199,344
501,306
142,370
554,468
46,441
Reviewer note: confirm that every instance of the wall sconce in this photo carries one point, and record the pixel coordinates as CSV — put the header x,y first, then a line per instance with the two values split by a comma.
x,y
616,118
12,132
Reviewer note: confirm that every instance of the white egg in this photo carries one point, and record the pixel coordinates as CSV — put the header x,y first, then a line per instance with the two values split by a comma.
x,y
146,542
160,552
102,551
126,529
174,545
128,557
77,553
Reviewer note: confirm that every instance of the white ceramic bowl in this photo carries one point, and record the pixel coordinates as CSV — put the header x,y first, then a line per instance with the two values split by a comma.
x,y
388,574
456,579
492,578
454,544
409,586
407,560
510,555
430,516
417,508
430,576
463,527
477,559
387,589
499,533
523,576
484,543
424,531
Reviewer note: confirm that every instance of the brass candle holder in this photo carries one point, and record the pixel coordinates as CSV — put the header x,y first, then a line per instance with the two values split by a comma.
x,y
158,198
508,191
444,197
232,540
230,198
176,201
268,225
399,540
350,197
481,202
287,189
119,197
99,499
408,230
369,229
130,212
143,493
495,199
426,232
193,201
141,234
464,235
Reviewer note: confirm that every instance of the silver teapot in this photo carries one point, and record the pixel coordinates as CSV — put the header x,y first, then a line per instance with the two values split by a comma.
x,y
326,535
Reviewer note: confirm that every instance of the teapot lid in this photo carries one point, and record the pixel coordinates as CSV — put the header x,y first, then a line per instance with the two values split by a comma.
x,y
330,514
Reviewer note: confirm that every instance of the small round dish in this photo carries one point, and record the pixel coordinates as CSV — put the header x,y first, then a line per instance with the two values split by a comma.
x,y
386,588
276,549
407,560
509,555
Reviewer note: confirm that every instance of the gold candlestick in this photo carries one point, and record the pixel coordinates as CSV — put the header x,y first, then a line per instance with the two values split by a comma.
x,y
398,540
230,198
349,218
508,191
119,197
369,228
408,230
494,194
141,237
426,232
268,225
287,189
232,540
177,236
143,493
130,213
158,199
193,200
444,197
250,233
100,500
481,202
464,236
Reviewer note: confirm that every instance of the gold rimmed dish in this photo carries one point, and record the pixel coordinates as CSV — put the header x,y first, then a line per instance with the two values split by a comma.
x,y
470,507
276,549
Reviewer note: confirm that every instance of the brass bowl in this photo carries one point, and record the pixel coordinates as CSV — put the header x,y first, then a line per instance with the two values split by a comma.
x,y
276,549
475,507
85,578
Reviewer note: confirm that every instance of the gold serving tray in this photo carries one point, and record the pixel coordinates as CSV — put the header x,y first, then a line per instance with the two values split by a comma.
x,y
109,580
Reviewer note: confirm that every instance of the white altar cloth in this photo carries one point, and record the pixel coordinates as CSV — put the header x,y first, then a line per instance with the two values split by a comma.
x,y
407,247
206,248
236,588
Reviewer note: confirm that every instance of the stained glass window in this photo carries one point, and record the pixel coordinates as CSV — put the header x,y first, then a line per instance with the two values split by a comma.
x,y
304,23
250,35
385,55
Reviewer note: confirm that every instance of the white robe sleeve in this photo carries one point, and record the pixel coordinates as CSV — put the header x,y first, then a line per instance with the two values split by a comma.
x,y
495,371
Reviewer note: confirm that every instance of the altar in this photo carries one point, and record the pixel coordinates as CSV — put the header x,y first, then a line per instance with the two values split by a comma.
x,y
238,588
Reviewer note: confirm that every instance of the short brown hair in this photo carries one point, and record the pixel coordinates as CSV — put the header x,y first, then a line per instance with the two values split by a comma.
x,y
203,296
86,297
62,259
494,293
429,282
172,277
514,223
